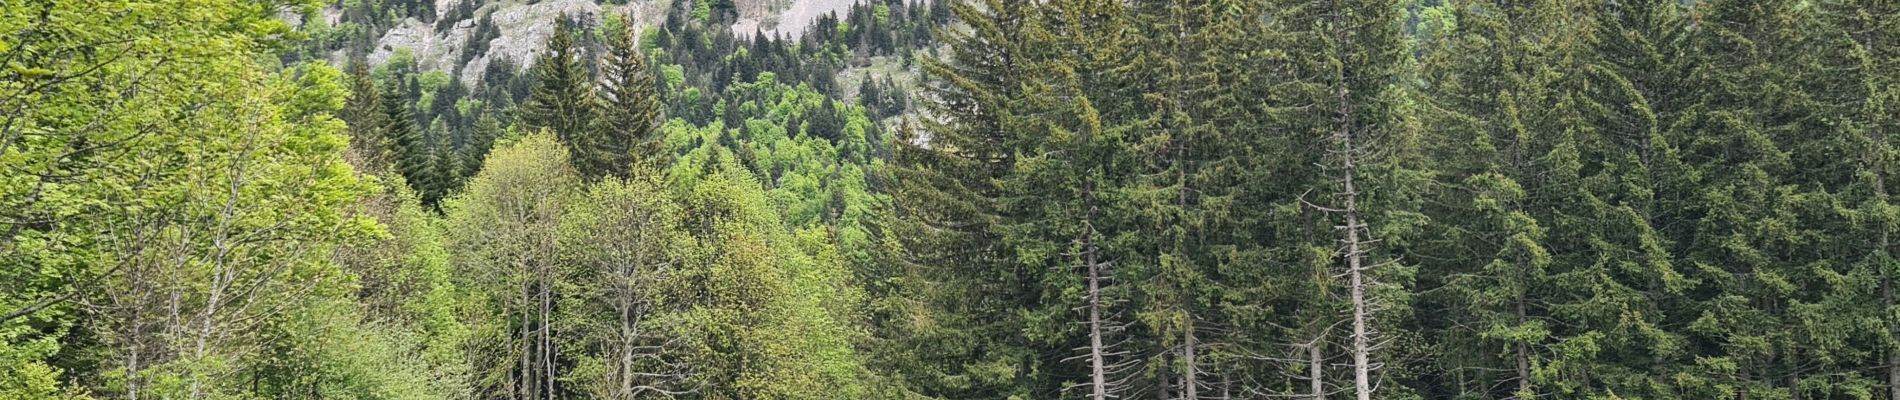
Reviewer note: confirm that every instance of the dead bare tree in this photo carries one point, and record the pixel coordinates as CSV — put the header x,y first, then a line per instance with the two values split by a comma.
x,y
1109,367
1345,123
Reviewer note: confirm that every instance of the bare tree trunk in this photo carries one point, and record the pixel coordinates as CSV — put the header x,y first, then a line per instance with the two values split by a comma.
x,y
1523,356
528,380
1361,344
1886,283
1794,385
1361,308
628,332
220,269
1315,373
547,330
132,379
1886,301
1893,355
1189,383
139,298
1098,368
1226,387
1163,377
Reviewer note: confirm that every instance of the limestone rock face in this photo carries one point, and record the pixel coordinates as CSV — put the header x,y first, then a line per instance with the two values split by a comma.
x,y
525,28
787,18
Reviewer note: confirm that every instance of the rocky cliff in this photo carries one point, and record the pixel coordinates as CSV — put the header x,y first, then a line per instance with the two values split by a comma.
x,y
523,28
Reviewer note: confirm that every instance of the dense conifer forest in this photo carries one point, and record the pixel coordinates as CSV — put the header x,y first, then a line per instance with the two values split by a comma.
x,y
951,199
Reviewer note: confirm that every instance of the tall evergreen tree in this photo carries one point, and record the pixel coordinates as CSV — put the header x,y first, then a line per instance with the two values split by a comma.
x,y
368,122
413,150
481,140
1071,168
947,173
1503,113
1760,209
1616,293
1191,66
1865,91
1342,102
562,100
628,128
445,164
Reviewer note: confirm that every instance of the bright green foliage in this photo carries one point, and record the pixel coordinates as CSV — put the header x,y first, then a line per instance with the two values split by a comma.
x,y
626,236
24,373
820,223
506,243
209,148
405,284
62,91
261,239
1193,199
330,350
198,228
766,310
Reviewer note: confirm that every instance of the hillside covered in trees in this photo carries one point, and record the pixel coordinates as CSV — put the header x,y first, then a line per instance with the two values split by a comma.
x,y
949,199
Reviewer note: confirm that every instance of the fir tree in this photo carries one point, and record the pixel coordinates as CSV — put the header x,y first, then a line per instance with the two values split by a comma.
x,y
1191,66
480,140
367,119
1072,166
1504,122
1860,37
630,115
413,151
947,170
1341,103
1759,207
445,167
1617,285
562,100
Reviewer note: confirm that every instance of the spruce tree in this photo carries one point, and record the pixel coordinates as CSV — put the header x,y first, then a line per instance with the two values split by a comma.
x,y
1865,91
562,100
1340,70
1506,151
445,166
1616,294
480,140
1072,166
948,199
628,129
414,154
1761,207
1191,66
364,114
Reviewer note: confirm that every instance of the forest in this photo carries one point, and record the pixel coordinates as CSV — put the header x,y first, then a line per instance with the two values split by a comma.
x,y
952,199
